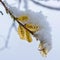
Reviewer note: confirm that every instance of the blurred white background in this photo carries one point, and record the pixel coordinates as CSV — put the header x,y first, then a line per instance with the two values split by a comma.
x,y
21,50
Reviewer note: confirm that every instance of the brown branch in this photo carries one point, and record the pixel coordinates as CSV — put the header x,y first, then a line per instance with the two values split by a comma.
x,y
7,10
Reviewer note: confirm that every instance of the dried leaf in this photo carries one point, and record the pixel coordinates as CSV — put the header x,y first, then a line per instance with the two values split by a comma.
x,y
43,50
32,27
21,32
28,36
23,18
24,34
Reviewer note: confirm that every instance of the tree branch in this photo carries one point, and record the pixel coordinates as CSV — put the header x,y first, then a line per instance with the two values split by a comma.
x,y
49,7
7,10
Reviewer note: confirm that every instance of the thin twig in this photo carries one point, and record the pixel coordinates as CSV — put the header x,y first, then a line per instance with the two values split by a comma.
x,y
9,33
49,7
1,12
14,17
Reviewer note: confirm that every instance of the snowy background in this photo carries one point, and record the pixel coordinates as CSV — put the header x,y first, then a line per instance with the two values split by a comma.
x,y
21,50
